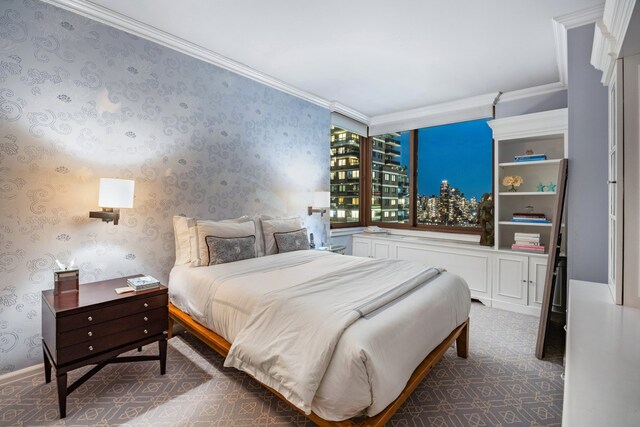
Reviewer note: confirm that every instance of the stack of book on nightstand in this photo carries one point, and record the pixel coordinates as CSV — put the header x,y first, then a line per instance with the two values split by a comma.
x,y
142,283
527,242
530,217
530,158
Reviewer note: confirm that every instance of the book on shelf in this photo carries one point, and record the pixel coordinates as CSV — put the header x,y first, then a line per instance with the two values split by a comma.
x,y
528,248
530,158
524,236
530,220
530,214
527,242
144,282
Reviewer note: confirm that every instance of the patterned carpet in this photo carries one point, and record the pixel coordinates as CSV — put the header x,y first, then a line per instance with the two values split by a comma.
x,y
501,384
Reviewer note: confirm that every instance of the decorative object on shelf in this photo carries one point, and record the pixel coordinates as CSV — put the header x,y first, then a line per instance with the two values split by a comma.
x,y
512,181
66,279
540,187
529,209
113,195
485,218
551,187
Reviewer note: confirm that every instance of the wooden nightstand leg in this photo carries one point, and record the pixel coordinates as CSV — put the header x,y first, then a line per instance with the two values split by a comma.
x,y
47,366
62,393
162,347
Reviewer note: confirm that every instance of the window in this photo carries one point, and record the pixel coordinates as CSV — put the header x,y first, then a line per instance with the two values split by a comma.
x,y
454,171
390,154
452,166
345,176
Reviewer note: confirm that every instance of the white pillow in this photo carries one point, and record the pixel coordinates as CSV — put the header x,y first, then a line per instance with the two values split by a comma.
x,y
225,228
183,230
270,226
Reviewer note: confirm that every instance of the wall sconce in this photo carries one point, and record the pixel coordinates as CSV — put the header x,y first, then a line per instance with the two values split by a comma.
x,y
114,194
321,201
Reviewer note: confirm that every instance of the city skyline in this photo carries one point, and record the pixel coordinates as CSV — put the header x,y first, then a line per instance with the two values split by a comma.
x,y
469,164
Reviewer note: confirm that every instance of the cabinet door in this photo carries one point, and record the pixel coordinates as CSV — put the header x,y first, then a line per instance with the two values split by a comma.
x,y
537,276
381,249
361,247
511,280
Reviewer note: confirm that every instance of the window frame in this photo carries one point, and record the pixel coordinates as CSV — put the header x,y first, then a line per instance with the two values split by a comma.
x,y
366,191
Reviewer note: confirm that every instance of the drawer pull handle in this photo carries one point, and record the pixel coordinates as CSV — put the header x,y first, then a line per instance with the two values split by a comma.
x,y
90,319
145,318
90,334
145,331
90,348
146,305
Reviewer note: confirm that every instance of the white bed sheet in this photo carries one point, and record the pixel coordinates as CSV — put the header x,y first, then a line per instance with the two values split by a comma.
x,y
375,356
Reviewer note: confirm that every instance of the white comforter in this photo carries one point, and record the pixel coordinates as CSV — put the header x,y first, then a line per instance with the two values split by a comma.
x,y
373,358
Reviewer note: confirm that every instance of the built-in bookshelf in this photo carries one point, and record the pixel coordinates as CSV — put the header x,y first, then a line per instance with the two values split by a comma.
x,y
529,147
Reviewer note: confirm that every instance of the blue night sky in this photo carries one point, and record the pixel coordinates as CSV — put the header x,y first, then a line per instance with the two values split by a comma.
x,y
461,153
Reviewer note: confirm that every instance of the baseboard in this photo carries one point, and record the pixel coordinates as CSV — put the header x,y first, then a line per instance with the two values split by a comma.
x,y
22,374
524,309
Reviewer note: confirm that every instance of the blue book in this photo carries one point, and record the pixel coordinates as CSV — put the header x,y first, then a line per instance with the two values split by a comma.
x,y
532,220
530,159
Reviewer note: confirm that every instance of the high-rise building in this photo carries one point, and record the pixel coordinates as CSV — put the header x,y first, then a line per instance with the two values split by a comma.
x,y
389,180
345,176
449,207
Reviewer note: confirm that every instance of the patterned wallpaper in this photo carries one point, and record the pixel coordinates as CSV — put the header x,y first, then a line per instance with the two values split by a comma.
x,y
79,101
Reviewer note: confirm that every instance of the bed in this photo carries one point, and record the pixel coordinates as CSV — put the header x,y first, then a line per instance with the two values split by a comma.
x,y
356,365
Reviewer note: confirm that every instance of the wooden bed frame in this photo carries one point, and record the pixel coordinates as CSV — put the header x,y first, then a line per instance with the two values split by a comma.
x,y
460,335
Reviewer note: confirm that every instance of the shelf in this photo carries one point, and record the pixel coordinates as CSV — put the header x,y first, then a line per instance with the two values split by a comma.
x,y
508,249
525,224
538,162
527,193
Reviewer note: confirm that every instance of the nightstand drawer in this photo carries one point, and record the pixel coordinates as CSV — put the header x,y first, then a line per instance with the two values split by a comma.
x,y
109,342
100,330
108,314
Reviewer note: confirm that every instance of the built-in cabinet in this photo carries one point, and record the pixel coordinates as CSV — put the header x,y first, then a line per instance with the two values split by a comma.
x,y
503,279
499,276
542,133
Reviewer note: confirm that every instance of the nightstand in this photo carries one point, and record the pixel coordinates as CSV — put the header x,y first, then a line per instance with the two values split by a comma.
x,y
94,325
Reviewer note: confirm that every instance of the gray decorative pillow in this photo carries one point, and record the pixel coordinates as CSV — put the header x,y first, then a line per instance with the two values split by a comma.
x,y
289,241
229,249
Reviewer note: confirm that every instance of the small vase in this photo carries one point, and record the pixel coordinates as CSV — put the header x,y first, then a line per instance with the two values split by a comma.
x,y
513,188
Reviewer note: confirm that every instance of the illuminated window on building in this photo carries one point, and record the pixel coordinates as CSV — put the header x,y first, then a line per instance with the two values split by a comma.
x,y
454,171
345,176
390,155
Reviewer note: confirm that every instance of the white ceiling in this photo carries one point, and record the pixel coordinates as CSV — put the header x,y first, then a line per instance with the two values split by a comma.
x,y
374,56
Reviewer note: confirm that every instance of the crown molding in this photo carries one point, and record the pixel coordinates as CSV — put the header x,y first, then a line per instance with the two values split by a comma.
x,y
609,36
565,22
113,19
532,91
337,107
581,17
527,125
443,109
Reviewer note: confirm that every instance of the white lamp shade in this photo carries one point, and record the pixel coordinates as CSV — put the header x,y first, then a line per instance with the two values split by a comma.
x,y
321,199
116,193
